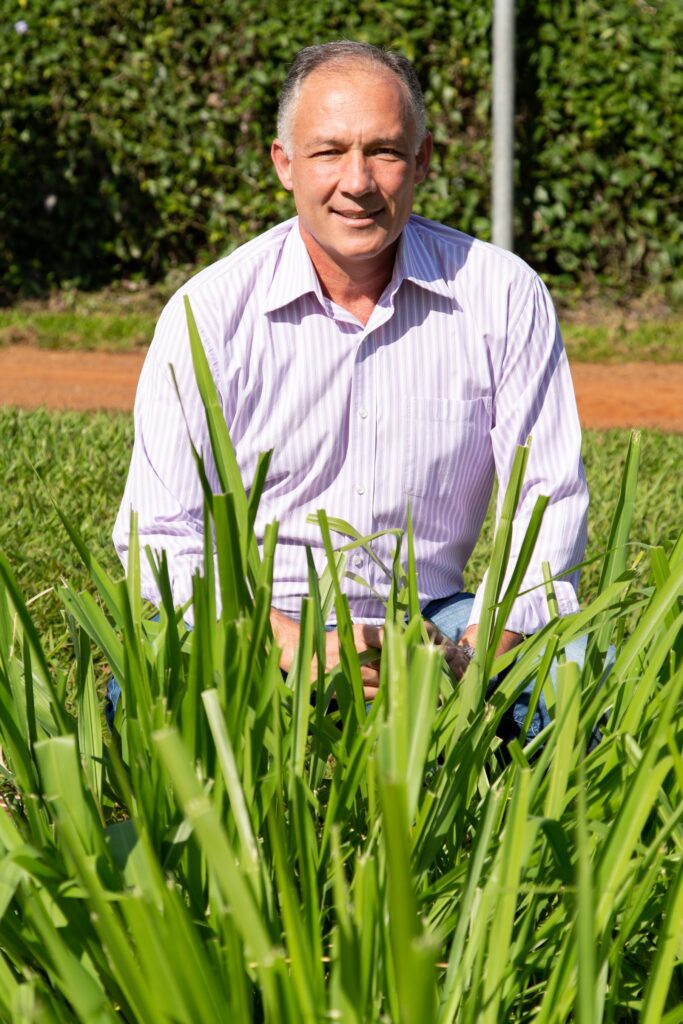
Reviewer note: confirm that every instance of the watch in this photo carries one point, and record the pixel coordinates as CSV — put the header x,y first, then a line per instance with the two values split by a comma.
x,y
466,648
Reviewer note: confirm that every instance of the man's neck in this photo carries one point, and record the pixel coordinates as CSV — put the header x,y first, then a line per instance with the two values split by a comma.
x,y
356,286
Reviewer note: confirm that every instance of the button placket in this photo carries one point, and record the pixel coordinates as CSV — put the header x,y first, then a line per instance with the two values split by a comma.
x,y
363,415
363,428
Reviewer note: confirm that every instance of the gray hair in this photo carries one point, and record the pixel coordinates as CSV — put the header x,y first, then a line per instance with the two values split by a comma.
x,y
344,52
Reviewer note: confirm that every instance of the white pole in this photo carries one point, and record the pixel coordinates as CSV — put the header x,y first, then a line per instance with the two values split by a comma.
x,y
503,121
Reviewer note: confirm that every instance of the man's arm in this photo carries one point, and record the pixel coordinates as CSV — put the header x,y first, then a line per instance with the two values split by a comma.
x,y
534,397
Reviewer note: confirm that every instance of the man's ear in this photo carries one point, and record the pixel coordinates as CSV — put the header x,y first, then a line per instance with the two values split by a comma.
x,y
422,158
283,165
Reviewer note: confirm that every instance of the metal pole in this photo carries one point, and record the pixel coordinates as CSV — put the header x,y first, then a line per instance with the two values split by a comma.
x,y
503,122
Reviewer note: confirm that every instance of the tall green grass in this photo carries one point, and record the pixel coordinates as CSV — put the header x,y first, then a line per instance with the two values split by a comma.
x,y
242,849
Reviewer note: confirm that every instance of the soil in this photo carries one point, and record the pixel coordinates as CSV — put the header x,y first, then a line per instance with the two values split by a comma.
x,y
647,395
31,377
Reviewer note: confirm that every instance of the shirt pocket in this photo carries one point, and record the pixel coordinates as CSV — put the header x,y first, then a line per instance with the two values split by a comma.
x,y
445,443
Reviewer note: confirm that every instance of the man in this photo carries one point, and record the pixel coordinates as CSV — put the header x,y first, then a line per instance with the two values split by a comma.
x,y
382,356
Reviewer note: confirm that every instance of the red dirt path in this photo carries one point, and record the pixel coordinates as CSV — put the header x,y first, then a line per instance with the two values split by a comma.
x,y
647,395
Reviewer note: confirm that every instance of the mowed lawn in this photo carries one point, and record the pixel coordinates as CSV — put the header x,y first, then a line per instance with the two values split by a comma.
x,y
80,460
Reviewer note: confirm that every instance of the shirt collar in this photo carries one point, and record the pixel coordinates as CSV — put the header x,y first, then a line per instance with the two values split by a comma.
x,y
295,275
415,263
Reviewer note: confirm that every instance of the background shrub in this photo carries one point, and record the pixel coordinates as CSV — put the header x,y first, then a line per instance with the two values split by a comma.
x,y
135,136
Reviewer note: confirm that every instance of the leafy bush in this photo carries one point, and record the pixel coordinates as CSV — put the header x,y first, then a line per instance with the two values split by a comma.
x,y
136,135
238,851
604,140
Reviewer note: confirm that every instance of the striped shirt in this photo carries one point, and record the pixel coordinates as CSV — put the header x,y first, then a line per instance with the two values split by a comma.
x,y
460,361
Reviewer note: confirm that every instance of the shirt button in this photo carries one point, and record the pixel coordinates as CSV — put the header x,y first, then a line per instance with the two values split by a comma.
x,y
363,413
358,561
360,489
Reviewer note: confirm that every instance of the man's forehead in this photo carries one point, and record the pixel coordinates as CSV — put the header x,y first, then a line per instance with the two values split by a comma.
x,y
338,88
352,75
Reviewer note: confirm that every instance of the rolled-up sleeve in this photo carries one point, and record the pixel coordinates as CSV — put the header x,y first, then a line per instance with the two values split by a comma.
x,y
534,397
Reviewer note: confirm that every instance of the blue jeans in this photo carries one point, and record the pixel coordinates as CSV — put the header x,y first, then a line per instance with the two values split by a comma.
x,y
451,615
110,702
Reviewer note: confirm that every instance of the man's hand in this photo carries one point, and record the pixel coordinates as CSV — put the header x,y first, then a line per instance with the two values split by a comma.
x,y
286,632
369,638
366,638
455,655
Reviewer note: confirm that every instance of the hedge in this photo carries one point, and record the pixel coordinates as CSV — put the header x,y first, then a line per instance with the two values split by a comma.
x,y
135,136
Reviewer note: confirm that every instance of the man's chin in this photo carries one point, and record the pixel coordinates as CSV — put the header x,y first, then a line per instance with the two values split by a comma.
x,y
351,248
361,245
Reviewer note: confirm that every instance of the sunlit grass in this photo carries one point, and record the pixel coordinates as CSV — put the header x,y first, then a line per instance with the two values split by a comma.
x,y
658,341
236,851
108,332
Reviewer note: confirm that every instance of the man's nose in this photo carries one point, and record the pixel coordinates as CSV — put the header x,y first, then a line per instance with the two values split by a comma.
x,y
358,178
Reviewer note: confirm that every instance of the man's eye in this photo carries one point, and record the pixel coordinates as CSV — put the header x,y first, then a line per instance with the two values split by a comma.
x,y
388,151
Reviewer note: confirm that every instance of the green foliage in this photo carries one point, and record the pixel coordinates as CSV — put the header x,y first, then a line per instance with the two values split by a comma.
x,y
237,850
118,317
606,146
136,136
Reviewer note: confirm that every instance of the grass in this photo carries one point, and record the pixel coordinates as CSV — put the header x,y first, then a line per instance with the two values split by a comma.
x,y
104,332
237,851
83,459
123,318
119,318
657,341
617,328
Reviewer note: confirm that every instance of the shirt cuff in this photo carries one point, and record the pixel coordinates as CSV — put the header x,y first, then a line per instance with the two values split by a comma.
x,y
530,612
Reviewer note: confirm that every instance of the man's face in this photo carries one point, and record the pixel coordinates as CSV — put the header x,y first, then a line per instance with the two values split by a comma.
x,y
352,167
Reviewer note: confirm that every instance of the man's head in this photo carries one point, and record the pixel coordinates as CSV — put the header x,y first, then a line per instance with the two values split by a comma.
x,y
351,148
343,54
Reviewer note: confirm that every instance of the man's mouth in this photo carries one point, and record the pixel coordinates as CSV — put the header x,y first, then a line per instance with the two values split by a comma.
x,y
359,215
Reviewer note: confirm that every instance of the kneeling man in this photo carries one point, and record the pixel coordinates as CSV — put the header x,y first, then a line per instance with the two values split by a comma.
x,y
384,357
